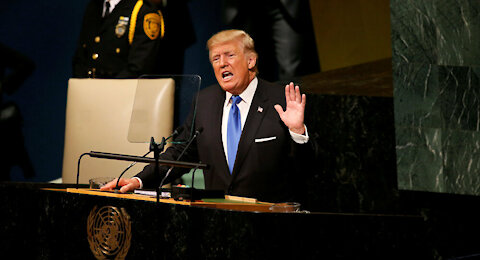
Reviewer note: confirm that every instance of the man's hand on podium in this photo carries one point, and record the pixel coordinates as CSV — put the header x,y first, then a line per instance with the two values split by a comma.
x,y
125,184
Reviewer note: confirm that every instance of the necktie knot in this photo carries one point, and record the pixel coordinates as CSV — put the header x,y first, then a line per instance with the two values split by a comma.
x,y
236,99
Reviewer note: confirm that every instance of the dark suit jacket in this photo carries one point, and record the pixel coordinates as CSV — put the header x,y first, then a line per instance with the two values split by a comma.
x,y
103,43
262,169
294,9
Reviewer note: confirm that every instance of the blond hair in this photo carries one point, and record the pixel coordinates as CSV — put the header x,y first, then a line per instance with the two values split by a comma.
x,y
234,35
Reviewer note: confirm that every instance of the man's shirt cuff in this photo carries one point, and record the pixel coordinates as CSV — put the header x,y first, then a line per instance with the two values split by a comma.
x,y
140,181
298,138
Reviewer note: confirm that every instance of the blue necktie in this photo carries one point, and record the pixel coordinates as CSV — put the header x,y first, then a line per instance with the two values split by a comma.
x,y
234,130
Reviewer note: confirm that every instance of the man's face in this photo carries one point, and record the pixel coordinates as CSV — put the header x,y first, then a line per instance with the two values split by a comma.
x,y
231,66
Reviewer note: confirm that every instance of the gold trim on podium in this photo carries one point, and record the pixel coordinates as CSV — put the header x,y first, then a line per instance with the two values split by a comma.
x,y
230,203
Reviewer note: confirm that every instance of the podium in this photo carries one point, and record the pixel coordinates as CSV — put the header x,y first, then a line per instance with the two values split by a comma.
x,y
229,202
49,222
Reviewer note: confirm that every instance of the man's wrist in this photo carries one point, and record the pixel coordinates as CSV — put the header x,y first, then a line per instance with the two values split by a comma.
x,y
139,182
300,138
300,130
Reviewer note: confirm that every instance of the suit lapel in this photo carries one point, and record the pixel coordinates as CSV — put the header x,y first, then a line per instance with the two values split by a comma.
x,y
254,120
217,113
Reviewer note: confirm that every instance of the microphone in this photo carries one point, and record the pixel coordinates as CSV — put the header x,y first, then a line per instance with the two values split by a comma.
x,y
197,132
153,147
159,147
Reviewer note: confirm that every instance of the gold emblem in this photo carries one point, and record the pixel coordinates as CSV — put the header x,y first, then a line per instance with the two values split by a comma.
x,y
109,232
121,26
152,25
97,39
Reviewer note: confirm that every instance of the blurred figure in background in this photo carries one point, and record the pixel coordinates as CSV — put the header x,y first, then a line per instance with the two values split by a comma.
x,y
15,68
283,33
118,39
179,35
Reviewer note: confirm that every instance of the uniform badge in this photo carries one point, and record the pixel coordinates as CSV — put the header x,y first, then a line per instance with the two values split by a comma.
x,y
121,26
152,25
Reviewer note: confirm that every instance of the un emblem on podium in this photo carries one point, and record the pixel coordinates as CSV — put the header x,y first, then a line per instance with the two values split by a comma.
x,y
109,232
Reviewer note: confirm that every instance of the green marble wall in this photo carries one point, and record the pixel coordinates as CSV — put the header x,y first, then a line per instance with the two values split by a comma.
x,y
436,69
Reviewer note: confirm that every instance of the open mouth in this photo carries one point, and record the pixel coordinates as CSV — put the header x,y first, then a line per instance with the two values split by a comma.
x,y
227,75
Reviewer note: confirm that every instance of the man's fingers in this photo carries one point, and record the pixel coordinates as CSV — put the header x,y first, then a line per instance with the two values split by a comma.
x,y
127,188
129,185
110,185
279,110
113,184
298,96
292,91
287,93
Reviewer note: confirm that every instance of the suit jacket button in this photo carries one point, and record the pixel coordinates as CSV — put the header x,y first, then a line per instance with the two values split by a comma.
x,y
97,39
95,56
117,50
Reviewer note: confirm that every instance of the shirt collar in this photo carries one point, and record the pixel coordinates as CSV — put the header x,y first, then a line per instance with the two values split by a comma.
x,y
246,95
113,3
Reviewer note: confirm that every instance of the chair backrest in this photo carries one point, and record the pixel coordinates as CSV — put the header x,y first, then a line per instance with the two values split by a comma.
x,y
98,116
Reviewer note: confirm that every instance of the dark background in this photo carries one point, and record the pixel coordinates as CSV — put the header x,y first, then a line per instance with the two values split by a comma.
x,y
47,32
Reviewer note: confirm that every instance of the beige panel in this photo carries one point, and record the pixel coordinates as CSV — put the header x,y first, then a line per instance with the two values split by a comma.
x,y
98,119
351,32
149,118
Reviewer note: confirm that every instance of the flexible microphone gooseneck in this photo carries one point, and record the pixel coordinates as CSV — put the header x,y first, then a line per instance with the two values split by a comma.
x,y
78,167
197,132
153,147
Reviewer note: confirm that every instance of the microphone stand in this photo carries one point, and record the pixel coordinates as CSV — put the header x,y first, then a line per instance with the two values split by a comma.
x,y
193,180
124,171
197,132
133,158
156,154
156,149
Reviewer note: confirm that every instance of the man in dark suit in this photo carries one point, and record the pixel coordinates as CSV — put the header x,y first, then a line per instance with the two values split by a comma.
x,y
249,142
118,39
283,33
179,35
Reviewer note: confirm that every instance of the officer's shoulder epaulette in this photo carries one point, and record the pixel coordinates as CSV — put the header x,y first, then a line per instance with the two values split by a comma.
x,y
153,22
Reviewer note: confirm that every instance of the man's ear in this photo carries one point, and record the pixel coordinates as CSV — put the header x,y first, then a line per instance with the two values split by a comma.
x,y
252,61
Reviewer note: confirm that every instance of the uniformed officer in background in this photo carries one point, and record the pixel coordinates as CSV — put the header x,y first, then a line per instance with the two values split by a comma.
x,y
15,68
118,39
179,35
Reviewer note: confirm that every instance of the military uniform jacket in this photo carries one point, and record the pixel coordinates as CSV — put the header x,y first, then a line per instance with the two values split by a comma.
x,y
119,45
